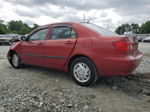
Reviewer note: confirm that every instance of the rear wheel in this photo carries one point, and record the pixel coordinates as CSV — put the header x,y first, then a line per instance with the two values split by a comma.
x,y
83,71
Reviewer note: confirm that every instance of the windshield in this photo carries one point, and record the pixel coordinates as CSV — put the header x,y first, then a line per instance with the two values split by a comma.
x,y
99,29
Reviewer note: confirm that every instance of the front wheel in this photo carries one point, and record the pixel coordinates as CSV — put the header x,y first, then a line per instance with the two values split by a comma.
x,y
15,61
83,71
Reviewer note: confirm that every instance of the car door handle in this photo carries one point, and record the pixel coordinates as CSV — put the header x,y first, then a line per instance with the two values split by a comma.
x,y
69,42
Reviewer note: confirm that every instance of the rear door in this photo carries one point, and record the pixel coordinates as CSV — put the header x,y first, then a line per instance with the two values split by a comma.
x,y
33,49
59,45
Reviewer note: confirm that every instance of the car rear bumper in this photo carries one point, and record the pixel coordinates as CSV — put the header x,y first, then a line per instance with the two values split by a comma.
x,y
118,66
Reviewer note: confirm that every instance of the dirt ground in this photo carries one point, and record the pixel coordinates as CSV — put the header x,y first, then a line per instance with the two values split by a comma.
x,y
35,89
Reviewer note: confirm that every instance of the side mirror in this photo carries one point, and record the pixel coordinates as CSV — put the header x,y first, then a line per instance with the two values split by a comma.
x,y
23,38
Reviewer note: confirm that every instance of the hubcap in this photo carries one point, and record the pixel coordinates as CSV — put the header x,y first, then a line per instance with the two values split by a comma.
x,y
81,72
15,60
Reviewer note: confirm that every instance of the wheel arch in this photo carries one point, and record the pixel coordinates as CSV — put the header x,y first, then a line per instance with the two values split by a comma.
x,y
96,73
11,51
77,56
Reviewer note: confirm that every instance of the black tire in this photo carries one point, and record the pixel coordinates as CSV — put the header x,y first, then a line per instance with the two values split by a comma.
x,y
87,64
19,64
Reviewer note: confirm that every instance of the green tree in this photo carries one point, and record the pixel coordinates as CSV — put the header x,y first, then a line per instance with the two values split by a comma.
x,y
134,28
3,29
145,27
25,29
1,21
35,26
123,28
15,26
19,27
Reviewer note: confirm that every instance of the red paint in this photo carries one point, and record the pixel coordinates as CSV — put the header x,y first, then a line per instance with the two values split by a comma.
x,y
111,55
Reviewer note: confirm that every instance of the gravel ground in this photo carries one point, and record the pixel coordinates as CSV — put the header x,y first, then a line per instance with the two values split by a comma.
x,y
35,89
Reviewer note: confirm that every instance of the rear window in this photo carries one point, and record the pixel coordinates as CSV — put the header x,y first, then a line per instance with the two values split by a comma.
x,y
99,29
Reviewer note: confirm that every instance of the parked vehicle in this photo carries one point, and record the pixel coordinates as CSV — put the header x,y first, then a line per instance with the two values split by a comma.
x,y
140,38
9,39
5,40
86,50
147,39
1,35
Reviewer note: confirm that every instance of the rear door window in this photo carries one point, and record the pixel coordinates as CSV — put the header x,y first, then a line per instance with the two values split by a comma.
x,y
62,32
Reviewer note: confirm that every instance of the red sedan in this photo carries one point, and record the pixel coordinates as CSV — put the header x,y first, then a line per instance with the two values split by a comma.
x,y
86,50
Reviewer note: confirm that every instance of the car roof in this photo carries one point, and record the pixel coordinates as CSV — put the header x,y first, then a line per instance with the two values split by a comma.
x,y
58,23
47,25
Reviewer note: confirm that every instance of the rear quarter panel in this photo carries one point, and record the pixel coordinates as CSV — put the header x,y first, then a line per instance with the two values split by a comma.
x,y
94,46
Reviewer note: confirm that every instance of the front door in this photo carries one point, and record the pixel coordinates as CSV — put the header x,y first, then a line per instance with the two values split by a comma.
x,y
59,45
33,48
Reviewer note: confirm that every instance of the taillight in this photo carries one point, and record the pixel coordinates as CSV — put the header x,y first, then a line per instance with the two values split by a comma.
x,y
123,48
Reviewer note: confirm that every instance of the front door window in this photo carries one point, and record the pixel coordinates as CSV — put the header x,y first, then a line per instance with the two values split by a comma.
x,y
39,35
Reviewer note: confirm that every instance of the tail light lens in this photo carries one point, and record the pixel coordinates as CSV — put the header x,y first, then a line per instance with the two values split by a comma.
x,y
123,47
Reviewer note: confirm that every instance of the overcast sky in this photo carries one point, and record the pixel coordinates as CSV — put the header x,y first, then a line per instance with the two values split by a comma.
x,y
108,13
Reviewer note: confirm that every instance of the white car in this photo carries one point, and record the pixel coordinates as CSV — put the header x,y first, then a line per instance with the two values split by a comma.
x,y
147,39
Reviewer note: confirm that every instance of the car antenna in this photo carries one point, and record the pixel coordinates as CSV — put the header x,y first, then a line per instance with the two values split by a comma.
x,y
92,16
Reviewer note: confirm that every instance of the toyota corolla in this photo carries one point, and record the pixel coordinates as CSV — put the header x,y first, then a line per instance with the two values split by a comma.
x,y
85,50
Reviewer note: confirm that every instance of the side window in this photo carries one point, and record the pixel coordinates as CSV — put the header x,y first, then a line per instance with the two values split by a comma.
x,y
39,35
62,32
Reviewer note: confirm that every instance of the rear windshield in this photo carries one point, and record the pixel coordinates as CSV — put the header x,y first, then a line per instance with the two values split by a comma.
x,y
99,29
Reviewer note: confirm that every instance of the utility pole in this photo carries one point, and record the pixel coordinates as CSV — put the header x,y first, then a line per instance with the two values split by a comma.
x,y
84,18
107,26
